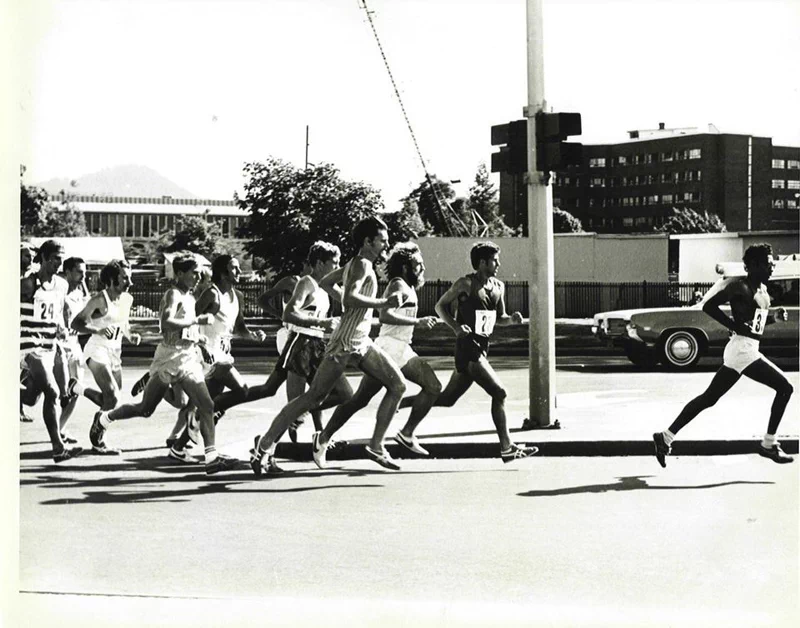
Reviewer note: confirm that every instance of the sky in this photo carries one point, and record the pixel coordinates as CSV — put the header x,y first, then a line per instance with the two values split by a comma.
x,y
193,89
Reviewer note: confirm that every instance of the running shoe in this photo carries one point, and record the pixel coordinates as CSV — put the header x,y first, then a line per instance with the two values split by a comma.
x,y
68,438
774,453
515,452
105,450
319,451
67,454
382,457
221,463
662,449
272,467
255,457
181,455
335,444
24,418
97,431
411,443
140,384
218,415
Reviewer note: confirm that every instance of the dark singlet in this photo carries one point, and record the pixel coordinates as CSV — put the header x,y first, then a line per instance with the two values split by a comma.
x,y
478,309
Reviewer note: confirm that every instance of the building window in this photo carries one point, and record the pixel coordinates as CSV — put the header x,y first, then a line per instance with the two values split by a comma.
x,y
691,197
666,199
597,182
778,184
676,177
556,201
793,184
622,160
652,200
793,164
791,203
597,162
778,163
777,203
591,202
627,222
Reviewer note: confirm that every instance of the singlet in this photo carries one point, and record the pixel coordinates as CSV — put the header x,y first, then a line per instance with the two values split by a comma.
x,y
75,301
41,315
356,323
478,309
403,333
188,336
317,308
115,318
220,331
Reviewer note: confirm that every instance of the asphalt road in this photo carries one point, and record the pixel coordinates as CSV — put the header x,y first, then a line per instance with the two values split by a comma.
x,y
599,541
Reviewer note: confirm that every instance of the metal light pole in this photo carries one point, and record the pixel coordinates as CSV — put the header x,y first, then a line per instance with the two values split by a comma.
x,y
541,342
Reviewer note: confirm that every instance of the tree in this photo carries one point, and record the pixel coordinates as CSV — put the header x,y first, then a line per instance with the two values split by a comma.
x,y
564,222
42,217
436,209
291,208
194,234
483,201
687,220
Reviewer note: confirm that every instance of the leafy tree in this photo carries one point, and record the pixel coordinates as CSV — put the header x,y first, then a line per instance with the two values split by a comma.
x,y
428,206
291,208
483,201
42,217
687,220
564,222
195,234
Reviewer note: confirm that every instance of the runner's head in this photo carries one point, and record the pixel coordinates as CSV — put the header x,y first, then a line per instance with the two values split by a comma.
x,y
49,256
485,255
26,253
226,266
323,257
371,236
405,261
116,275
74,270
758,261
185,268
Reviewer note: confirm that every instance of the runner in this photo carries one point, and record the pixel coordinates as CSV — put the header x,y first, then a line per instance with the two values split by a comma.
x,y
481,306
350,345
42,320
222,301
69,357
177,361
407,272
26,253
106,317
749,303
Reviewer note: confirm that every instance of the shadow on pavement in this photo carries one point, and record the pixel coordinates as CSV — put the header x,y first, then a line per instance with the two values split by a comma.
x,y
631,483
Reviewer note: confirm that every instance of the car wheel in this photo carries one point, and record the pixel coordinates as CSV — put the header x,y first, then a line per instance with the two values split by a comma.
x,y
640,355
680,349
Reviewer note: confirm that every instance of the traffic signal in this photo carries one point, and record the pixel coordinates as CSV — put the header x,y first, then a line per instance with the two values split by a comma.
x,y
513,141
552,152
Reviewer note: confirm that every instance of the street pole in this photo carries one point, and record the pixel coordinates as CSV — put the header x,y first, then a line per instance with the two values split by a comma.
x,y
541,339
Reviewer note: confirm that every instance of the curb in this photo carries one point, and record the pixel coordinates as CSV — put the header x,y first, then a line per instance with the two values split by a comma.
x,y
354,450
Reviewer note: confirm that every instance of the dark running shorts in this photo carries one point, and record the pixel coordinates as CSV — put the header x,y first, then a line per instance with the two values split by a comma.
x,y
302,355
470,348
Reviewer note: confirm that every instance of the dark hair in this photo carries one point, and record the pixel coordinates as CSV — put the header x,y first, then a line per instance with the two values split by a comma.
x,y
47,249
401,255
220,266
71,263
482,251
183,263
322,252
757,253
368,228
111,272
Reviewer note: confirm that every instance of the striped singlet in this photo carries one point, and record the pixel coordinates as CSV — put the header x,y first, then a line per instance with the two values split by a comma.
x,y
355,324
41,315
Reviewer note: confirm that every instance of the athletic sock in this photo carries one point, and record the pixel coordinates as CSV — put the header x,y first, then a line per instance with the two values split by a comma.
x,y
262,451
105,420
211,454
768,441
77,388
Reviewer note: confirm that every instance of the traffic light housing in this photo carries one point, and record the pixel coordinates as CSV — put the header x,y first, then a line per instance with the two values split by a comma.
x,y
513,141
552,152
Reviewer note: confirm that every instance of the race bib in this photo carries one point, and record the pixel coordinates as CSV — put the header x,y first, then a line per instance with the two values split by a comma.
x,y
484,322
192,334
225,344
759,321
44,311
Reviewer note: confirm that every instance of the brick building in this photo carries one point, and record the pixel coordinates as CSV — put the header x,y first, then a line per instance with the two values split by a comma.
x,y
632,186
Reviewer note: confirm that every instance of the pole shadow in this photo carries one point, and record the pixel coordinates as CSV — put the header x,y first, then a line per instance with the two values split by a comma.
x,y
630,483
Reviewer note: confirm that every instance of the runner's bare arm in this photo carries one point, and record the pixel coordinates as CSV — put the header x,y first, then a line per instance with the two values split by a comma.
x,y
390,316
445,302
169,322
293,312
727,290
503,318
82,321
351,297
240,327
282,286
208,302
331,283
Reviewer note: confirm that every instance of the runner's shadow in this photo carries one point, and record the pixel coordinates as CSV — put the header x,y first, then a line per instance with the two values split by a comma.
x,y
631,483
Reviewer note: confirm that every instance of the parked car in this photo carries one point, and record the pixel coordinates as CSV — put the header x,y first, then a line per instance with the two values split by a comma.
x,y
680,336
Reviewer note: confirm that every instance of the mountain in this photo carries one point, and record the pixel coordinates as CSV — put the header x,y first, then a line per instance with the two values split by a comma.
x,y
129,180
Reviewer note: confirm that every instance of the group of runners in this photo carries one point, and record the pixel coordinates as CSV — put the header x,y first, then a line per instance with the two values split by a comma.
x,y
193,368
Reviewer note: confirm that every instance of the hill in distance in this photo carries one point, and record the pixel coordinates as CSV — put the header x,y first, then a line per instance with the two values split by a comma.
x,y
127,180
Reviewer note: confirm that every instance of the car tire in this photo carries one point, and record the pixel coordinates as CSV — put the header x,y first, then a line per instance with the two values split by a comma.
x,y
680,348
641,355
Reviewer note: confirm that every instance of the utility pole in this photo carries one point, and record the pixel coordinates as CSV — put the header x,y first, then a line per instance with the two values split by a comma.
x,y
306,168
541,340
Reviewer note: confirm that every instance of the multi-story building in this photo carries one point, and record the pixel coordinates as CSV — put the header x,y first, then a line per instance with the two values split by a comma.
x,y
136,218
633,186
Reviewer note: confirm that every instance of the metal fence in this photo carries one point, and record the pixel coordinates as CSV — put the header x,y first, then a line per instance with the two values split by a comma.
x,y
572,299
